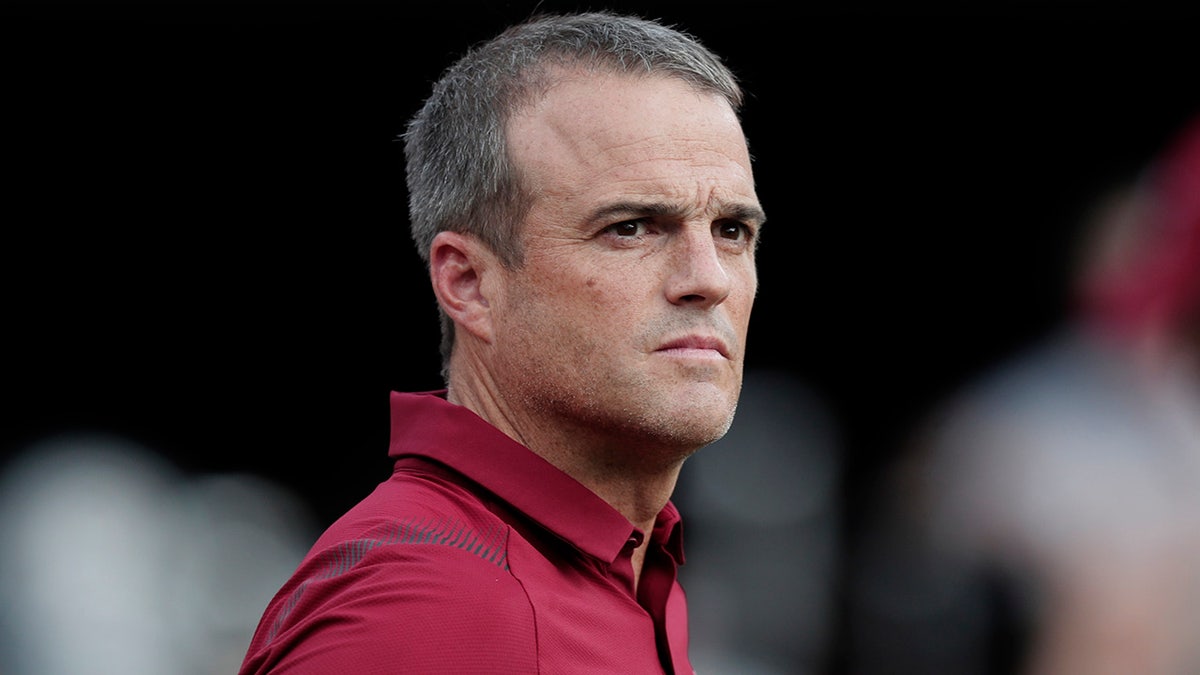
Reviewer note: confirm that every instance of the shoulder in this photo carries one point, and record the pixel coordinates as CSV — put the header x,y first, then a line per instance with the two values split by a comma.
x,y
395,614
407,581
432,510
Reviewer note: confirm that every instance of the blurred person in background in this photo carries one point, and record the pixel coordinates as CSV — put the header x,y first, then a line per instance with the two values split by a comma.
x,y
1047,519
115,561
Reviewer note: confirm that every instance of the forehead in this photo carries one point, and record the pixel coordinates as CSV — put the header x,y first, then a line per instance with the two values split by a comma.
x,y
608,136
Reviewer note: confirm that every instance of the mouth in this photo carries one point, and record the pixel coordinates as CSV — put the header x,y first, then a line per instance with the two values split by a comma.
x,y
696,345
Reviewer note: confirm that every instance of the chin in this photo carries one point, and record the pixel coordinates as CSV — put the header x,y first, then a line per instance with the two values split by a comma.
x,y
699,422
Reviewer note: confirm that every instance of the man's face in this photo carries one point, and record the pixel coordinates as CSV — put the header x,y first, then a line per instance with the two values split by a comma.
x,y
628,319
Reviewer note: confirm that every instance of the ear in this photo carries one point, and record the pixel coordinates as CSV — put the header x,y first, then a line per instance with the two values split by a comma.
x,y
458,264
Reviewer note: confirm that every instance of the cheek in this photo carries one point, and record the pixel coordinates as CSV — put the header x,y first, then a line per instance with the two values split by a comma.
x,y
752,275
747,288
607,293
567,306
751,294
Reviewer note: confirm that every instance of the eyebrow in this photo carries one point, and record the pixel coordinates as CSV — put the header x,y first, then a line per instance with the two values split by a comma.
x,y
747,213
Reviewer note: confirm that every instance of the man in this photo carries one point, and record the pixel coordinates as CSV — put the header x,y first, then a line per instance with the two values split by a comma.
x,y
581,189
1055,500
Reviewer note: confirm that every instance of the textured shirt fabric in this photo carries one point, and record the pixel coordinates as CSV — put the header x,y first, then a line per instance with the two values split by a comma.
x,y
477,556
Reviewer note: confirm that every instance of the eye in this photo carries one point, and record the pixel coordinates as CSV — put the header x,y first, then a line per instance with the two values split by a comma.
x,y
627,228
732,230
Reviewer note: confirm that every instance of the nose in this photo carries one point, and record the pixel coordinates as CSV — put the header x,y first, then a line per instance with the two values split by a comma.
x,y
698,276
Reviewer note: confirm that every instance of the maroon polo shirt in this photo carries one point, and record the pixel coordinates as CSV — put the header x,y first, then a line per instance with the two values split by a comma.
x,y
477,556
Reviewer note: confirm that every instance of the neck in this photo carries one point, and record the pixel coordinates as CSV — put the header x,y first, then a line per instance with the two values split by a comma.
x,y
633,475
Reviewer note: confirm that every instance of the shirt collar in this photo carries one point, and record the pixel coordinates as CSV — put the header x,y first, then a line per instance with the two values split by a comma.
x,y
425,424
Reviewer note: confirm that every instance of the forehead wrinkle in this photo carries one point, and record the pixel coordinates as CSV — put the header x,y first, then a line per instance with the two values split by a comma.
x,y
746,210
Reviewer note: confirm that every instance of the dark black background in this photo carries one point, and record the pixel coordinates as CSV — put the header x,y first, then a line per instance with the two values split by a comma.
x,y
206,242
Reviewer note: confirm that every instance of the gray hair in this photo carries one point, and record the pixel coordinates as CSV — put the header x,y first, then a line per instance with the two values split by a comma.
x,y
459,174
